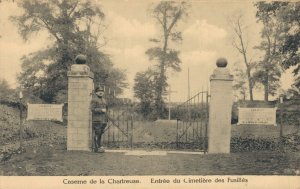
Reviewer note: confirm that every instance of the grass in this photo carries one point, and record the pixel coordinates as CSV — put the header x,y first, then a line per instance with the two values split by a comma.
x,y
47,155
55,160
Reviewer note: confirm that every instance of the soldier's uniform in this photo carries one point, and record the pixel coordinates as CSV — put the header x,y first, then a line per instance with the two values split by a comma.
x,y
99,118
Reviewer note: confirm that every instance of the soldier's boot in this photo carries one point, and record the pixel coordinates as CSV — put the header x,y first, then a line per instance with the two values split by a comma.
x,y
96,146
101,149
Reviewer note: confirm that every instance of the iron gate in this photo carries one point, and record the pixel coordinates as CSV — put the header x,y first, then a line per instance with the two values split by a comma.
x,y
192,123
119,130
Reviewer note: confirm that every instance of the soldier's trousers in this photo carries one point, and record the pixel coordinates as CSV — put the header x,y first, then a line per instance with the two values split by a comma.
x,y
98,129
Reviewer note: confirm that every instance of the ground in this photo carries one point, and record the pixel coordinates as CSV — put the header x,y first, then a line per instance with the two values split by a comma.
x,y
57,161
45,153
54,159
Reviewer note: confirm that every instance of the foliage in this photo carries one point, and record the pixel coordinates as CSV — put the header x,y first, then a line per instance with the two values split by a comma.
x,y
144,90
185,113
268,71
240,144
268,75
293,92
75,27
286,14
288,142
4,88
289,15
167,14
240,82
6,93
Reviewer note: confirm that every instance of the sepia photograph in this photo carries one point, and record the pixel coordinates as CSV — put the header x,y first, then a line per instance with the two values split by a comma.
x,y
150,92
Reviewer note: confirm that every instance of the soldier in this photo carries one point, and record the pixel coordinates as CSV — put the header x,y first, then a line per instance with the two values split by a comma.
x,y
99,118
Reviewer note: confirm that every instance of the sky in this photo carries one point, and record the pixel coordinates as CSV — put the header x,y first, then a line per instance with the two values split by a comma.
x,y
206,37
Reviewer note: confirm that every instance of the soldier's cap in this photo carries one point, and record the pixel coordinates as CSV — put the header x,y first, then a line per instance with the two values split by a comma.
x,y
99,88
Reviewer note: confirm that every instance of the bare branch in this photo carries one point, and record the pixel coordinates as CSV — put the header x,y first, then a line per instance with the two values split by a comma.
x,y
159,20
175,19
72,10
237,47
242,47
50,29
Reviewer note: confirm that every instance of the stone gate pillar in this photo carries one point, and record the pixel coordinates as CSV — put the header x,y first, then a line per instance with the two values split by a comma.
x,y
80,87
219,127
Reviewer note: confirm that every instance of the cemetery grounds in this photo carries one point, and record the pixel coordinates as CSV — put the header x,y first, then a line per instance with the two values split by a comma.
x,y
44,152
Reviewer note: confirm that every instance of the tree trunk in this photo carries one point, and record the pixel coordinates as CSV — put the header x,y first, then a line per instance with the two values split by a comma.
x,y
266,87
243,51
159,100
267,62
250,84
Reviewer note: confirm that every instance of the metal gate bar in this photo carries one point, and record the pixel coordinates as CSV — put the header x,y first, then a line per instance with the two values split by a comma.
x,y
118,133
192,121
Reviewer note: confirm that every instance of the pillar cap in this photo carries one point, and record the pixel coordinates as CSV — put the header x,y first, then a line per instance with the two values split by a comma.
x,y
221,63
221,72
80,59
80,68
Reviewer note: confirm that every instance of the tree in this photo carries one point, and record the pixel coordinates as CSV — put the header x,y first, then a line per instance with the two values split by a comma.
x,y
144,89
268,70
240,43
294,91
240,82
167,14
289,15
5,90
75,27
